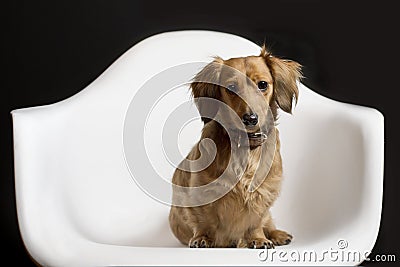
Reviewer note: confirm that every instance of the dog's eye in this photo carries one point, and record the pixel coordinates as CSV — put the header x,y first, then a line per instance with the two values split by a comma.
x,y
232,88
263,85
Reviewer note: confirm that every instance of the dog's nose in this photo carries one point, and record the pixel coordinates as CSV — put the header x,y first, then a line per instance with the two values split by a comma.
x,y
250,119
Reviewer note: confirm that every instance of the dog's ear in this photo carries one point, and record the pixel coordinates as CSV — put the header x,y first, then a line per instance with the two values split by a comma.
x,y
286,74
206,85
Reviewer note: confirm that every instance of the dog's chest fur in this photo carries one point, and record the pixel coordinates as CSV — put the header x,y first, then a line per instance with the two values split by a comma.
x,y
240,209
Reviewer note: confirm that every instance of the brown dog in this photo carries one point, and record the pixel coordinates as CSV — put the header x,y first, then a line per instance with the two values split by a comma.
x,y
254,88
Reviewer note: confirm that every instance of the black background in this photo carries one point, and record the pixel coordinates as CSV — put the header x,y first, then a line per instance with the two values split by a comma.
x,y
53,49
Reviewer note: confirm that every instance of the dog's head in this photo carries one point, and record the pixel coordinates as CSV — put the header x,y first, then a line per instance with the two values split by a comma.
x,y
248,86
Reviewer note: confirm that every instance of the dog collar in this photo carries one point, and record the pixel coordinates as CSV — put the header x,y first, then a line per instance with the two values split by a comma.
x,y
254,139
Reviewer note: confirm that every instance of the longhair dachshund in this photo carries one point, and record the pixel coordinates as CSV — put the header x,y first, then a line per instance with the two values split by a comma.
x,y
253,88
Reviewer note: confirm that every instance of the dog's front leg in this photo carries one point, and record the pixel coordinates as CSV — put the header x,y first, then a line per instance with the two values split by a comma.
x,y
201,240
278,237
256,239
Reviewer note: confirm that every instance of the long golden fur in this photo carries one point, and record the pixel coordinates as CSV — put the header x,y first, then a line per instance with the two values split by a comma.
x,y
241,218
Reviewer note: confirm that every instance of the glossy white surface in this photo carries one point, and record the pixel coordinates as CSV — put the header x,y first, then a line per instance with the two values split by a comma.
x,y
78,205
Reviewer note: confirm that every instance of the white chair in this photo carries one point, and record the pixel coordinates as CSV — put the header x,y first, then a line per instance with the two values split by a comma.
x,y
77,203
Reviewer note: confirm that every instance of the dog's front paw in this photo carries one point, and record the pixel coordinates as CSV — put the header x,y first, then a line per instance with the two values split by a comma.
x,y
200,242
260,243
279,237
